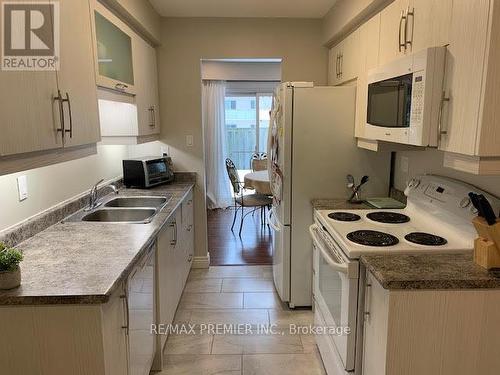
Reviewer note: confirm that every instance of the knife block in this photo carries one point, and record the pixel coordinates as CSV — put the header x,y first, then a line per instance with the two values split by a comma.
x,y
487,246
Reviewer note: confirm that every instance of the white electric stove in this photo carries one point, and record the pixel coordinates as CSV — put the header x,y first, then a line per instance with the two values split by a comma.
x,y
436,220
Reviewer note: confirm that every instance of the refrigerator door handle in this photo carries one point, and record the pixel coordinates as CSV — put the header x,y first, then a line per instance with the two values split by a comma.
x,y
271,222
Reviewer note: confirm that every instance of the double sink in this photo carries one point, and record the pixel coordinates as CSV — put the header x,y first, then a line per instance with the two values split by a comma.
x,y
131,210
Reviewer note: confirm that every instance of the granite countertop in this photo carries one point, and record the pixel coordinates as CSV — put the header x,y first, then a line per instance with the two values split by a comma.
x,y
84,262
424,271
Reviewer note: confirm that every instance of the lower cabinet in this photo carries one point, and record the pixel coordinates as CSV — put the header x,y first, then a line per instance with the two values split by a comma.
x,y
415,332
174,257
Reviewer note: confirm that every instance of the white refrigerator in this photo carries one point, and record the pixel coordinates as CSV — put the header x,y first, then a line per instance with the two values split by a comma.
x,y
311,149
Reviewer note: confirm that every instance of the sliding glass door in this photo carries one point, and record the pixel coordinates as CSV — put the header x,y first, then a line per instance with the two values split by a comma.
x,y
247,126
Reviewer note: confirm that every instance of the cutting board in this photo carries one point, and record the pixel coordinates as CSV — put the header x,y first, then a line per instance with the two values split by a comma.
x,y
385,203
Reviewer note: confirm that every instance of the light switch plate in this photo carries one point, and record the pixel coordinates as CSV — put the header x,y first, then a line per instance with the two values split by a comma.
x,y
189,140
22,187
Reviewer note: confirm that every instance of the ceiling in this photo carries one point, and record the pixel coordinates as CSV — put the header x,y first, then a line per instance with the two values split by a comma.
x,y
243,8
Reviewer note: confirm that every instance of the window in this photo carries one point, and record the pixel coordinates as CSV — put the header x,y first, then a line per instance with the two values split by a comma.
x,y
247,125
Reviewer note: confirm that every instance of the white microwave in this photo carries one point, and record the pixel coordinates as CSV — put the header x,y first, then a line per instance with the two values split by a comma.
x,y
404,99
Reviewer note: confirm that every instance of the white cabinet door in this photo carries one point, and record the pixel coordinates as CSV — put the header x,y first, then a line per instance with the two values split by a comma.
x,y
464,71
344,60
369,49
76,77
429,26
334,57
146,85
166,303
375,327
351,55
392,27
29,117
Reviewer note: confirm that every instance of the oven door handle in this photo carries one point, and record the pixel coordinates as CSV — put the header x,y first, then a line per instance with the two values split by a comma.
x,y
340,267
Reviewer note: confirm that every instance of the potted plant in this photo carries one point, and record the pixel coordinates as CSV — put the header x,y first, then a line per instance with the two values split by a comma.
x,y
10,272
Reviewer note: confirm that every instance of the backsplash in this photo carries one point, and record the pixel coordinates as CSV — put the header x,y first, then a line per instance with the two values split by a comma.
x,y
430,161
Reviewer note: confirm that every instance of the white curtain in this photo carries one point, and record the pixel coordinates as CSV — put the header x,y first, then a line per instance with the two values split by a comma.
x,y
218,185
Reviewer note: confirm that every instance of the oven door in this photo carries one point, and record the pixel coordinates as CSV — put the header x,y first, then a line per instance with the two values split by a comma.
x,y
336,292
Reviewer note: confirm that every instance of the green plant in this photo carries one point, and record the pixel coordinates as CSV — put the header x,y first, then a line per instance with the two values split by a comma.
x,y
9,258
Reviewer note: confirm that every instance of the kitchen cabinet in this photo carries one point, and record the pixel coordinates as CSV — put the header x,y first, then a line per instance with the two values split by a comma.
x,y
114,45
412,25
392,31
344,60
469,131
33,119
369,49
76,75
174,258
147,98
129,108
415,332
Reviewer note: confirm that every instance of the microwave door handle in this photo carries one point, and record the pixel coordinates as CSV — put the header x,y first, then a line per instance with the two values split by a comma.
x,y
339,267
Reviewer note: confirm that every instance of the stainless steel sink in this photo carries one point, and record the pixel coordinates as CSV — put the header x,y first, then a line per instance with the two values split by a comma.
x,y
154,202
124,215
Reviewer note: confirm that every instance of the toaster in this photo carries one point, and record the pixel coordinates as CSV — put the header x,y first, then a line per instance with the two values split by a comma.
x,y
146,172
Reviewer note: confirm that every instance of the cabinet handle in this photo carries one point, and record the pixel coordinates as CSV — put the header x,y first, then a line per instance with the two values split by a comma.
x,y
59,99
151,116
408,14
190,258
402,19
70,130
367,301
341,64
444,99
174,239
189,228
121,86
126,327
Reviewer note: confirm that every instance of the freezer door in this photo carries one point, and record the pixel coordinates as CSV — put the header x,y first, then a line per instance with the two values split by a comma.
x,y
281,257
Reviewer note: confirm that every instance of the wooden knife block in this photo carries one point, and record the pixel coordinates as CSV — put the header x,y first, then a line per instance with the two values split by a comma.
x,y
487,246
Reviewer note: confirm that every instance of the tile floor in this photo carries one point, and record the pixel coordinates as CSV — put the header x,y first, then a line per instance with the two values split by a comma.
x,y
239,295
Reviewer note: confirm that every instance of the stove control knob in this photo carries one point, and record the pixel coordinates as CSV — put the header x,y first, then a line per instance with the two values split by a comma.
x,y
464,203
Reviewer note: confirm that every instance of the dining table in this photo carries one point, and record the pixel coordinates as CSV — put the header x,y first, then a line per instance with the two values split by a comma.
x,y
258,181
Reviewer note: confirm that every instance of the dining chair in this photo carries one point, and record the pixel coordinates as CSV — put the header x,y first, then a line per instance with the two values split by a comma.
x,y
255,201
259,161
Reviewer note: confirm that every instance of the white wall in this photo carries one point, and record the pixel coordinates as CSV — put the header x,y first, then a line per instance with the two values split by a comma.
x,y
186,41
48,186
431,161
242,71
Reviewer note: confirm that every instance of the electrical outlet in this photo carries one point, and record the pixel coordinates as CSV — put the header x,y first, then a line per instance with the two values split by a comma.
x,y
189,140
22,187
403,164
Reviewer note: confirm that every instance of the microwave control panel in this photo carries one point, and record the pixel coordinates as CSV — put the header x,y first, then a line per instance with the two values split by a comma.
x,y
417,103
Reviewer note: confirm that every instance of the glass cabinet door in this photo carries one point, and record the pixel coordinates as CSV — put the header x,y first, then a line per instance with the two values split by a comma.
x,y
114,52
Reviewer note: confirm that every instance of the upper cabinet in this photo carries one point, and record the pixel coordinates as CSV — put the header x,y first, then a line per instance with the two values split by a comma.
x,y
127,78
47,110
344,60
469,130
413,25
368,59
114,45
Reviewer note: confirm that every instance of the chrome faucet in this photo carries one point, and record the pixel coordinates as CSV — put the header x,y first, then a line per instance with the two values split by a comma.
x,y
93,197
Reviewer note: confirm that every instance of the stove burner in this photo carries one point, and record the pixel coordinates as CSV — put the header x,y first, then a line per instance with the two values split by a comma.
x,y
344,216
388,217
427,239
372,238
